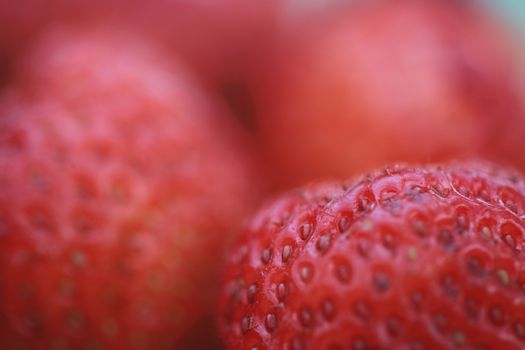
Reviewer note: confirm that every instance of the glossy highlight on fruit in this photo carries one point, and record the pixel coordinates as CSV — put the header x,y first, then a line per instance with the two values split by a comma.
x,y
404,258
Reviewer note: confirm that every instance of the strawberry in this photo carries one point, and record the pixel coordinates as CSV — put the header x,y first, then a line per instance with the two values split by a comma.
x,y
122,181
391,81
216,37
405,258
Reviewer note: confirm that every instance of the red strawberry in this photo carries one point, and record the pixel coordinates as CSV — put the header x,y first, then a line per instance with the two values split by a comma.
x,y
214,36
390,81
407,258
121,182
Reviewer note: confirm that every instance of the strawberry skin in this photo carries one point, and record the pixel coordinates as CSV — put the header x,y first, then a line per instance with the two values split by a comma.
x,y
406,258
372,80
121,182
216,37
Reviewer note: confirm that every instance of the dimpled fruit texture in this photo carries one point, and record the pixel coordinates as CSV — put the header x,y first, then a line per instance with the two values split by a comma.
x,y
388,81
405,258
121,181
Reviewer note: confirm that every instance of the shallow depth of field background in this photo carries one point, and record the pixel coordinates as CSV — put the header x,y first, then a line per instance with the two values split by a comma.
x,y
227,75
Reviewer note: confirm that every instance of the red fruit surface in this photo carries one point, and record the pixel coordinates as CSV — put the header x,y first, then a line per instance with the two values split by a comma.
x,y
390,81
405,258
121,182
216,37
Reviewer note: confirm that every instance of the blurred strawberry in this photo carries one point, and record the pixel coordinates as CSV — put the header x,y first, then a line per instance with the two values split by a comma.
x,y
217,37
389,81
121,184
202,336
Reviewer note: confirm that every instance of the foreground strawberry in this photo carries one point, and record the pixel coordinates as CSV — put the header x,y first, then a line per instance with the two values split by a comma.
x,y
389,81
121,182
406,258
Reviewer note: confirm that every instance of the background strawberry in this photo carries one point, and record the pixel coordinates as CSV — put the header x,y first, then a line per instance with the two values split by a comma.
x,y
218,38
121,181
405,258
389,81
